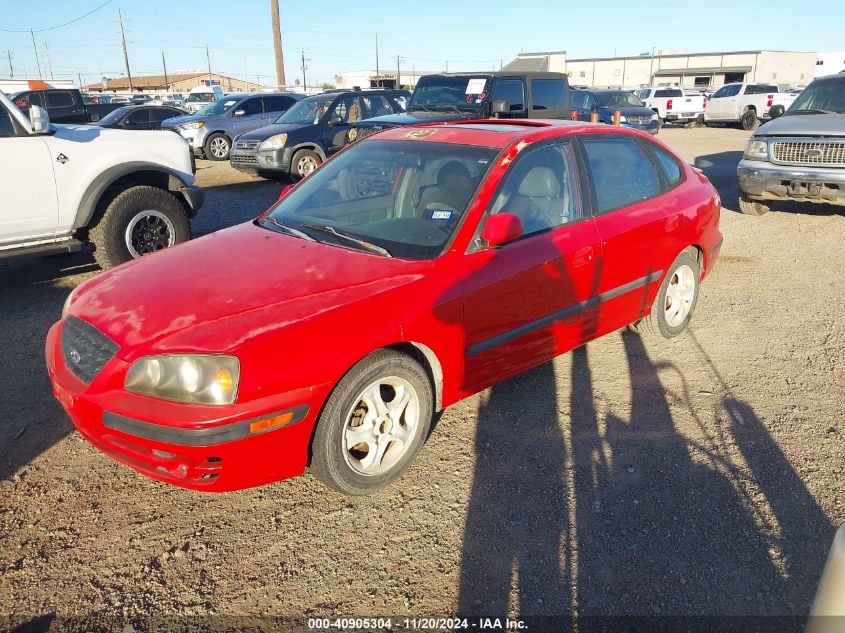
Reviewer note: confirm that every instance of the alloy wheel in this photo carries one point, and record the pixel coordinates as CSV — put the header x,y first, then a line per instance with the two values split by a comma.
x,y
149,231
679,295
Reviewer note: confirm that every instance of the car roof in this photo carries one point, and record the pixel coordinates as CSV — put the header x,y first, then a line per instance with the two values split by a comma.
x,y
498,133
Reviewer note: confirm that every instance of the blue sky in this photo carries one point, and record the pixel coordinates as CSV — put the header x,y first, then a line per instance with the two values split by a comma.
x,y
339,36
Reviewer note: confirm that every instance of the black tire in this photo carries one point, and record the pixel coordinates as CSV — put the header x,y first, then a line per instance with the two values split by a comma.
x,y
660,122
301,160
328,461
753,207
655,325
109,234
222,147
749,120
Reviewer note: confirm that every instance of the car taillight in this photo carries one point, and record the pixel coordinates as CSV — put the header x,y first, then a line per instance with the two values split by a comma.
x,y
704,103
669,104
770,101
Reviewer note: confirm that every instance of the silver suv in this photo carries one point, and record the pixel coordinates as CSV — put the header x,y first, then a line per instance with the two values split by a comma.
x,y
799,156
210,131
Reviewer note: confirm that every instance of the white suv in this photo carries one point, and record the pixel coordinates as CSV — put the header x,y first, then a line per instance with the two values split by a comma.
x,y
62,187
672,105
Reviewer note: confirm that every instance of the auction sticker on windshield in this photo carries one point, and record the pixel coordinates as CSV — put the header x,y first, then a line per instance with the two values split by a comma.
x,y
476,86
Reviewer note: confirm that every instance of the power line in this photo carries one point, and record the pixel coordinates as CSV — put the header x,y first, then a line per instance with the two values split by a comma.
x,y
53,28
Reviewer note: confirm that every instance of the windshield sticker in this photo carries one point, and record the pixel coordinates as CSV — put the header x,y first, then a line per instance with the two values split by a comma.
x,y
441,214
476,86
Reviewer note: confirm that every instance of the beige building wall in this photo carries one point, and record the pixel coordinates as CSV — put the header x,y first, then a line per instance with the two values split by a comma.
x,y
786,69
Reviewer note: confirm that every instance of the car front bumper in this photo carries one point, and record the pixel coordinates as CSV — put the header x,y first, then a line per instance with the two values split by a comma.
x,y
195,137
652,127
199,447
264,161
763,180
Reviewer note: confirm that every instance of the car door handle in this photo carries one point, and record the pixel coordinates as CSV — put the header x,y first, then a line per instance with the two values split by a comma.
x,y
582,256
672,223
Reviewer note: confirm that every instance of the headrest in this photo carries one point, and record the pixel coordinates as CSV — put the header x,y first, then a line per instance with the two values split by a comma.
x,y
540,182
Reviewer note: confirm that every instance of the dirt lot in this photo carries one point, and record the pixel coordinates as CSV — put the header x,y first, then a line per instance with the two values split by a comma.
x,y
700,476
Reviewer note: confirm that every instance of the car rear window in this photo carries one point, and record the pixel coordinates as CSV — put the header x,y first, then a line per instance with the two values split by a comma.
x,y
622,172
60,99
758,90
668,93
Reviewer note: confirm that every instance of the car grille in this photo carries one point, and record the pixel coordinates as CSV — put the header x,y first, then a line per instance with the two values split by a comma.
x,y
639,120
85,349
248,145
809,152
246,159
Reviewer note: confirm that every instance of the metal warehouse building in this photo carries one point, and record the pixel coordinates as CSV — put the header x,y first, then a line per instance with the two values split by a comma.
x,y
690,70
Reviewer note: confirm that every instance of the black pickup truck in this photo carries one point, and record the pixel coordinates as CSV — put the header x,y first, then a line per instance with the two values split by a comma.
x,y
63,106
484,95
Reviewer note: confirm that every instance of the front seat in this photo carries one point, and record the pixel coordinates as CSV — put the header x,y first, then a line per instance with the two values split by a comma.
x,y
539,202
452,191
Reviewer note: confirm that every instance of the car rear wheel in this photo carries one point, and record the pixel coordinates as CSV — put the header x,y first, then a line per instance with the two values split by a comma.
x,y
374,424
138,221
753,207
675,302
749,121
217,147
304,163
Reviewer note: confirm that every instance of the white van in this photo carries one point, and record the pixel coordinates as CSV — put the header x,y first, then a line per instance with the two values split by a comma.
x,y
201,96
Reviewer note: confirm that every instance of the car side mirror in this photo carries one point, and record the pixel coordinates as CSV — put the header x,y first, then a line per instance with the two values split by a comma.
x,y
239,113
39,119
335,120
501,107
776,111
501,228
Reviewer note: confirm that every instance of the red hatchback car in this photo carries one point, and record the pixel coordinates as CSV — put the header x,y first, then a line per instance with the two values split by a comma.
x,y
417,267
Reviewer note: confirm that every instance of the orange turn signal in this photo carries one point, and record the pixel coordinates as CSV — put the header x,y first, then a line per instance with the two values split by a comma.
x,y
269,423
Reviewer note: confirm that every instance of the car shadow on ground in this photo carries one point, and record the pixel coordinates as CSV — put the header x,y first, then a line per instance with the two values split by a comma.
x,y
633,518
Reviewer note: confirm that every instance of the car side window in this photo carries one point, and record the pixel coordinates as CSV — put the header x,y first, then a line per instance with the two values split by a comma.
x,y
512,91
377,105
138,116
541,189
670,166
29,99
732,91
401,101
721,92
251,106
579,99
60,99
621,171
591,102
548,94
277,104
348,110
7,128
157,115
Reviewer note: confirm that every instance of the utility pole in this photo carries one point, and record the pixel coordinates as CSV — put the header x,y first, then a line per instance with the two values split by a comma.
x,y
35,48
398,73
79,76
377,73
125,54
277,45
246,77
208,59
166,80
11,70
49,61
304,84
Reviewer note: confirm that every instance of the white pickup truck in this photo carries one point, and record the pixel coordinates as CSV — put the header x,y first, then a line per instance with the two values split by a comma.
x,y
64,187
672,105
744,103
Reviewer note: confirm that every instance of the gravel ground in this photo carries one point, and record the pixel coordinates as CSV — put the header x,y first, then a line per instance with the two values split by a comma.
x,y
699,476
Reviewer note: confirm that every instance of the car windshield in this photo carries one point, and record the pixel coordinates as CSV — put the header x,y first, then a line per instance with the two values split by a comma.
x,y
200,97
307,112
439,93
217,107
822,96
391,198
114,116
620,99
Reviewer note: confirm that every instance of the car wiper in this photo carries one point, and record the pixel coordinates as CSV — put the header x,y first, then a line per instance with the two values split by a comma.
x,y
418,106
445,108
288,230
330,230
814,111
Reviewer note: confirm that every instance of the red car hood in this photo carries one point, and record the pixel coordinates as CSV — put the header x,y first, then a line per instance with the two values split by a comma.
x,y
263,278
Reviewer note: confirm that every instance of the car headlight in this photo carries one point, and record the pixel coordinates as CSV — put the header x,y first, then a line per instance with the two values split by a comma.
x,y
622,118
277,141
654,117
193,125
755,148
188,378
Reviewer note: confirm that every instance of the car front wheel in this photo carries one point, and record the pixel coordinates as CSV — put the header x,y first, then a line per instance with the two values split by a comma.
x,y
304,163
749,120
374,424
753,207
675,302
138,221
217,147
